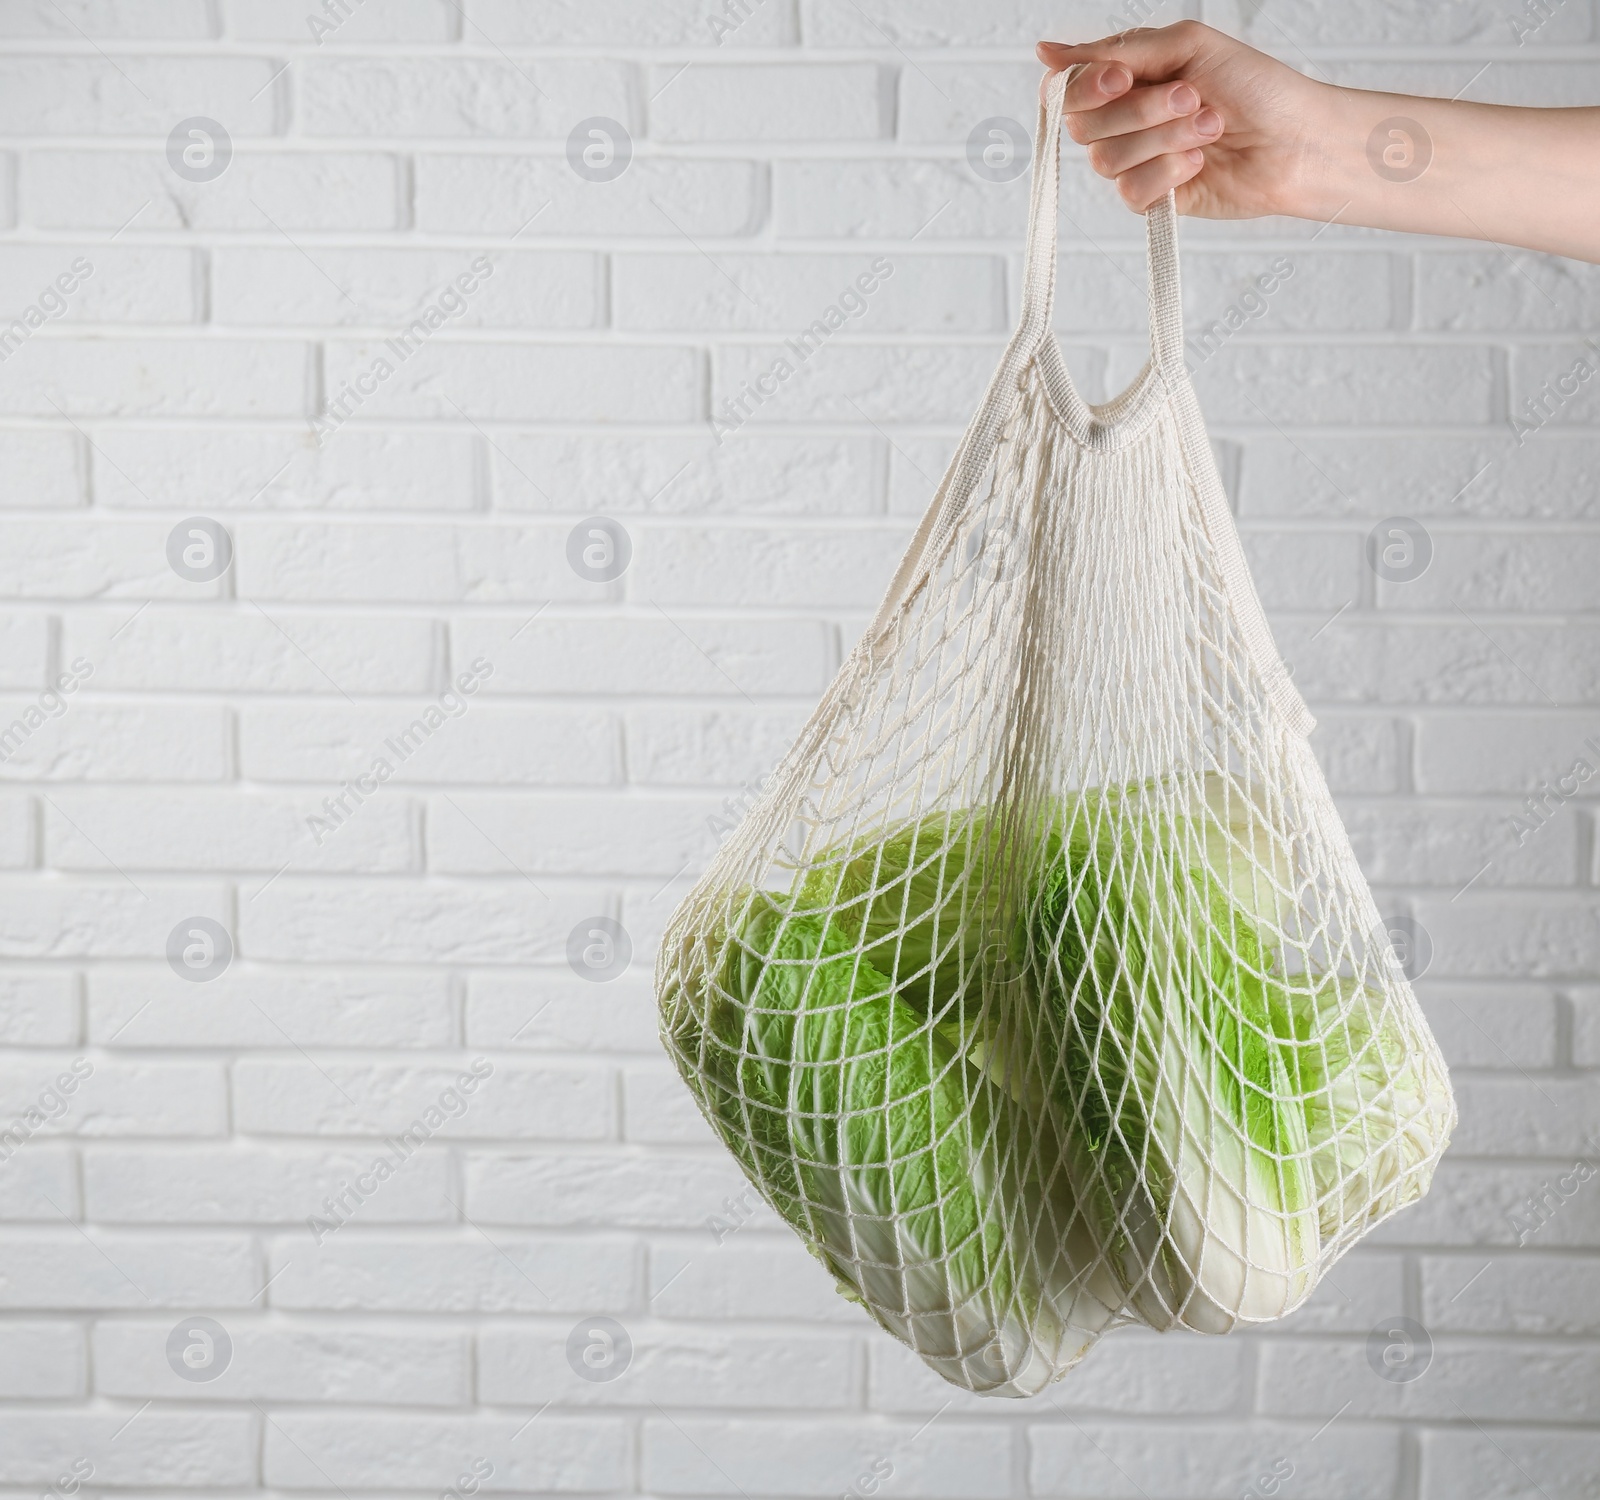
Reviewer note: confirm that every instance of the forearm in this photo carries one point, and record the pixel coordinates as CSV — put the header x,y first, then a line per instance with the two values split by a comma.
x,y
1525,177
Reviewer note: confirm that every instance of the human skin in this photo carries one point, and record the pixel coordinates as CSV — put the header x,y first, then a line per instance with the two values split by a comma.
x,y
1239,135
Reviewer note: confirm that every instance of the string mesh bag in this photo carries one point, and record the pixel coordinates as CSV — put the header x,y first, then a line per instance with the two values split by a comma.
x,y
1040,991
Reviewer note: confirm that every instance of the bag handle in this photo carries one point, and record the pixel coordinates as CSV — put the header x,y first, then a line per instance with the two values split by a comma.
x,y
1034,338
1031,334
1039,260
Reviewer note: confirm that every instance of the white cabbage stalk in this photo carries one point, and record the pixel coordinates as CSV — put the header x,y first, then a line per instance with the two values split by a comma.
x,y
1237,1241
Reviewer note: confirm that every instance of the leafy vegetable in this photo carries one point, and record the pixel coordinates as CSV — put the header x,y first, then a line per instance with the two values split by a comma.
x,y
1014,1085
1191,1148
897,1160
1375,1107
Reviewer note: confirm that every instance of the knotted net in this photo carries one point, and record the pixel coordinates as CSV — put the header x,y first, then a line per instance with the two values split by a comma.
x,y
1040,992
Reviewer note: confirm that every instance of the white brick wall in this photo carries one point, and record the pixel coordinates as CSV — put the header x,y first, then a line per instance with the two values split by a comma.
x,y
422,1336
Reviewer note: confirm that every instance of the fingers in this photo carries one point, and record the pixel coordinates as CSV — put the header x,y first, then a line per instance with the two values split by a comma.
x,y
1150,53
1137,110
1143,185
1121,153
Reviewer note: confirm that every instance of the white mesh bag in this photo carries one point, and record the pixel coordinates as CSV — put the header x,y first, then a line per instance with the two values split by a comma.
x,y
1040,992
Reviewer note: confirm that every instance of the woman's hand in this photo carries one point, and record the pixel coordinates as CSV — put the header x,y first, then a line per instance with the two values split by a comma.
x,y
1238,135
1186,107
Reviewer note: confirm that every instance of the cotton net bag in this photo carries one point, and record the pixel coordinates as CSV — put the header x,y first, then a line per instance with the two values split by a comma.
x,y
1040,992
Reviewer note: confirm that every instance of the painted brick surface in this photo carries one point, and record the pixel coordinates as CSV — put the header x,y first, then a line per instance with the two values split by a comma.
x,y
472,273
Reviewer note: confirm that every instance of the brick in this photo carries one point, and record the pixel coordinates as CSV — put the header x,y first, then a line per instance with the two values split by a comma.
x,y
219,469
166,1448
1210,1462
1491,1026
123,283
135,1008
1372,24
1478,290
257,1184
766,564
657,1190
305,1450
97,741
17,834
100,20
422,1367
395,922
940,103
504,194
1528,1294
38,1009
40,1183
521,382
1553,476
100,559
1384,385
748,1275
292,190
788,292
1228,293
670,746
288,21
137,94
1521,937
24,650
1358,752
101,919
506,744
115,1098
253,651
1545,390
410,561
396,95
146,377
703,1456
1450,843
949,23
751,474
1537,81
575,834
1479,1203
1502,1466
221,830
1547,1117
555,1010
1522,752
392,288
1498,1382
857,383
769,102
670,23
100,1269
514,1100
856,198
801,1372
1586,1028
649,654
1366,662
40,470
1548,573
43,1360
377,1272
1303,569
